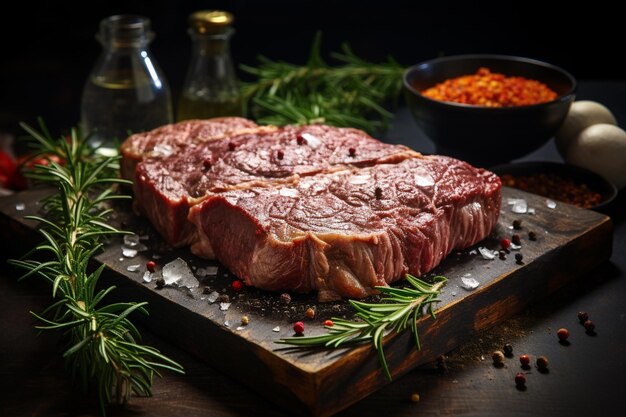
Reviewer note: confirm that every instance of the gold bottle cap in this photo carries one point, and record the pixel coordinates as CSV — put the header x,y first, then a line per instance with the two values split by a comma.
x,y
210,21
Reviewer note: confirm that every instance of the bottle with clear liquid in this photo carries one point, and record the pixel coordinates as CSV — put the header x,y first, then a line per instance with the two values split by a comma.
x,y
126,91
211,87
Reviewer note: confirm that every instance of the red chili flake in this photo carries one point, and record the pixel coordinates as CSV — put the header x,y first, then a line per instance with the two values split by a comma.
x,y
301,140
352,152
589,326
520,379
516,239
505,243
298,327
237,285
329,323
280,154
150,266
231,146
524,360
562,334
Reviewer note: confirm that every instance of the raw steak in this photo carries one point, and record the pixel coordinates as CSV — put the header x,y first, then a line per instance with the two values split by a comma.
x,y
167,185
343,233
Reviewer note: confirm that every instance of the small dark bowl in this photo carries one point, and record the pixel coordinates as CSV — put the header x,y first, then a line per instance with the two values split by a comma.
x,y
580,175
480,135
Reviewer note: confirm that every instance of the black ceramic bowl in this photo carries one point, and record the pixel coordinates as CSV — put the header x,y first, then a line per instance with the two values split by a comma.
x,y
487,136
578,175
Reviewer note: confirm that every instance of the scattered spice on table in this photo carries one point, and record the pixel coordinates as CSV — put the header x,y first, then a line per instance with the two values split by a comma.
x,y
491,89
554,186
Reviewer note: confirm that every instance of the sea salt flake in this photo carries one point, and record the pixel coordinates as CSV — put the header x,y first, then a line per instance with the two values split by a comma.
x,y
224,306
178,273
163,149
551,204
313,141
131,240
227,323
469,283
133,268
240,328
288,192
487,253
453,293
359,179
473,252
156,256
20,206
467,275
213,297
129,252
121,259
519,205
276,329
513,246
147,277
531,210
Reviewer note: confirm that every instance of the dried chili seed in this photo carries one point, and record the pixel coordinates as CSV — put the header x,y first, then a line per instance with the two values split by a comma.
x,y
589,326
378,193
352,152
329,323
508,349
583,316
517,224
516,239
150,266
520,379
498,357
301,140
298,327
237,285
532,235
280,154
562,334
524,360
505,243
310,313
542,362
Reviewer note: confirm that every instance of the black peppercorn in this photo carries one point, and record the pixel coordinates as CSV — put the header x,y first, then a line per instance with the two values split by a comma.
x,y
502,254
516,239
532,235
517,224
519,258
280,154
160,283
285,298
378,193
508,350
583,316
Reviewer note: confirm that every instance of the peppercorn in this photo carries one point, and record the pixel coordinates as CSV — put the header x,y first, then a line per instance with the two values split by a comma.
x,y
520,379
583,316
280,154
378,193
301,140
519,258
505,243
517,224
231,146
237,285
542,363
285,298
562,334
352,152
508,349
298,327
502,254
532,235
207,164
160,283
245,320
329,323
310,313
589,326
415,397
150,266
516,239
206,290
441,362
524,360
223,298
498,357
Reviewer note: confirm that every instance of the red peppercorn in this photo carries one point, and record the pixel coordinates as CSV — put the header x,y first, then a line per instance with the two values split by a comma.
x,y
301,140
542,363
520,379
298,327
516,239
329,323
562,334
589,326
237,285
583,316
150,266
231,146
280,154
352,152
524,360
505,243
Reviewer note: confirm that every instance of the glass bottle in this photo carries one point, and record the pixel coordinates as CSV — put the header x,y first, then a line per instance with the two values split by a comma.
x,y
211,87
126,91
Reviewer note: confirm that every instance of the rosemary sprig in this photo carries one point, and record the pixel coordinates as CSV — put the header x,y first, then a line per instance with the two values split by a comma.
x,y
399,308
103,346
349,94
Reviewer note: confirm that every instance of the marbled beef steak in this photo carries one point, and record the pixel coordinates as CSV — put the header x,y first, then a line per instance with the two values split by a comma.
x,y
305,208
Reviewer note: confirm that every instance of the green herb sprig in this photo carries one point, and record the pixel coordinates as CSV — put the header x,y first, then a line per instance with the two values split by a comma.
x,y
399,308
103,346
349,94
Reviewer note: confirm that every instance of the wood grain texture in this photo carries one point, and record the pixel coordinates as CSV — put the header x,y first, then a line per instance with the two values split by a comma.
x,y
570,242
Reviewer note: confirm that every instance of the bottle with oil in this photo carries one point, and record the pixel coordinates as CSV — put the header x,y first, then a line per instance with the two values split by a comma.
x,y
126,91
211,87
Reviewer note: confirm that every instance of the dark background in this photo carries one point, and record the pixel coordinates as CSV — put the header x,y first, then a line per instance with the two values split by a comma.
x,y
48,48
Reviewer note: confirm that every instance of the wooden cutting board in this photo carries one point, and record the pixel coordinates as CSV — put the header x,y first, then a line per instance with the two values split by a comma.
x,y
570,242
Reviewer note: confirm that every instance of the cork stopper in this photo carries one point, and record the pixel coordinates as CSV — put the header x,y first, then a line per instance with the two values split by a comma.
x,y
210,21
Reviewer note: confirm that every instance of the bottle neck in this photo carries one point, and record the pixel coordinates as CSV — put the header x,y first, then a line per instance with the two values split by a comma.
x,y
125,32
211,44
